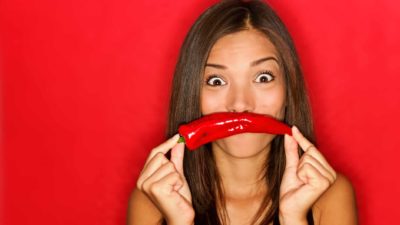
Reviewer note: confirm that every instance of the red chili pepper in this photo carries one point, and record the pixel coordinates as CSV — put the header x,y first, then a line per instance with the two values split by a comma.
x,y
223,124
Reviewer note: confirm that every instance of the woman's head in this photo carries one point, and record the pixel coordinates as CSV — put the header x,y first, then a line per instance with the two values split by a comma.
x,y
242,74
217,26
235,34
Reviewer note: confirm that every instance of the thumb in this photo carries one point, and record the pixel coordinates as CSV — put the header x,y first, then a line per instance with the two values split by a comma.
x,y
177,157
291,152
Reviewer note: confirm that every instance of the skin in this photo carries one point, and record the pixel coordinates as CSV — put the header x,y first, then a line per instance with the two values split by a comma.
x,y
235,80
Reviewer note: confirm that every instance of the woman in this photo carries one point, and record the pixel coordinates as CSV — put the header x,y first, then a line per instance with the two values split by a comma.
x,y
239,57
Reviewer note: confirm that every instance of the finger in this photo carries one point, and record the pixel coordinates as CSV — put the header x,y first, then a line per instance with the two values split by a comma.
x,y
309,148
165,186
168,201
303,142
164,147
291,152
314,184
321,159
160,173
155,162
310,175
177,154
290,180
307,158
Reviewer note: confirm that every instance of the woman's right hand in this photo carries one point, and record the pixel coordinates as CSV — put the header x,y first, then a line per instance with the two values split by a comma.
x,y
163,181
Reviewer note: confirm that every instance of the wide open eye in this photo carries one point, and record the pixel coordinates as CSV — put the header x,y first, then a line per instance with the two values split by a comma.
x,y
264,77
215,81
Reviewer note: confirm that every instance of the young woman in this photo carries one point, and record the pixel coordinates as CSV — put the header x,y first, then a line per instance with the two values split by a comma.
x,y
239,57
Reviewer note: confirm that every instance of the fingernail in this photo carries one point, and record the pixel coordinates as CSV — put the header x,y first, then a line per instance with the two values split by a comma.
x,y
175,137
295,129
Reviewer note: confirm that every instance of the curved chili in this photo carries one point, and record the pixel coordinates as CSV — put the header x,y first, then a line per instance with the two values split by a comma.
x,y
223,124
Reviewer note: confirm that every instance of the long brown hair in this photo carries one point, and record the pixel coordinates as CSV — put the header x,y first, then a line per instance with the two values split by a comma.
x,y
227,17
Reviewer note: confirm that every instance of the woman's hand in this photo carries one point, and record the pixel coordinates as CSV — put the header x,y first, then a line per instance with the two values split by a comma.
x,y
304,179
163,181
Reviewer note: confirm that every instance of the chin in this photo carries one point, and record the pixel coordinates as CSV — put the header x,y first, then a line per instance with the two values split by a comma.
x,y
245,145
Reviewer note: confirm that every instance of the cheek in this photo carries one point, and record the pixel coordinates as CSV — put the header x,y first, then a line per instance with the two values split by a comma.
x,y
273,102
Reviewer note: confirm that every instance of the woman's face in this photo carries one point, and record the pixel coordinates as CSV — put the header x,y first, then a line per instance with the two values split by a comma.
x,y
242,74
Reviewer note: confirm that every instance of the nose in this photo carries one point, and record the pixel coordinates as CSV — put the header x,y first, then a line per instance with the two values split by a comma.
x,y
240,99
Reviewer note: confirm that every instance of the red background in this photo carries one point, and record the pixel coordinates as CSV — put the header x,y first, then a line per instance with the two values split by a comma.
x,y
85,87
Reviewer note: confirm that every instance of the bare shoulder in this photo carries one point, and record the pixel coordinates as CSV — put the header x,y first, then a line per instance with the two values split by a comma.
x,y
338,204
141,210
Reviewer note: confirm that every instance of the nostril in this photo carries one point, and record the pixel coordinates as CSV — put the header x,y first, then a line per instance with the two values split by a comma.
x,y
234,110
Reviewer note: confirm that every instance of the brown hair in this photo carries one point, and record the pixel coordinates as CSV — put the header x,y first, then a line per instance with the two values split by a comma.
x,y
227,17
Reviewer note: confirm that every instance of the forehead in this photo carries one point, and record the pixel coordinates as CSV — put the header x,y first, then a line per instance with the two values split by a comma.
x,y
247,44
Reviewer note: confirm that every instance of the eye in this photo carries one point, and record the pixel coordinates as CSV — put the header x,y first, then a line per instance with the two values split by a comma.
x,y
264,77
215,81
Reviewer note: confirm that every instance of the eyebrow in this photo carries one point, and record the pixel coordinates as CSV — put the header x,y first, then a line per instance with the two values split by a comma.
x,y
254,63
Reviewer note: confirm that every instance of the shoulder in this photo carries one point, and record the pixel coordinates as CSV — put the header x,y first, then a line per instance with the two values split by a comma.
x,y
141,210
338,201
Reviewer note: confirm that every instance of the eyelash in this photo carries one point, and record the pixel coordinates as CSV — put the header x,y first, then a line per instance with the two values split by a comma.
x,y
258,74
266,72
212,77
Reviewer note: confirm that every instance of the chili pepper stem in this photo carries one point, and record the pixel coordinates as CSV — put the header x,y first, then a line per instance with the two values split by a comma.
x,y
181,139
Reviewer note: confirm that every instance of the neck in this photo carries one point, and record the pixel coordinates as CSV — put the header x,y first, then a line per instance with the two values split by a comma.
x,y
243,177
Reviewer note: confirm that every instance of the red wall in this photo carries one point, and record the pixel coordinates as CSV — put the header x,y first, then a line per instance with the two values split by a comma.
x,y
84,92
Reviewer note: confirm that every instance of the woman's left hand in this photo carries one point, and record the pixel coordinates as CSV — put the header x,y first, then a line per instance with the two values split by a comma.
x,y
304,179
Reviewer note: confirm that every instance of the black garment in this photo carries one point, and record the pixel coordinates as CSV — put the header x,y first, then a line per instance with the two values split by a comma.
x,y
310,218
